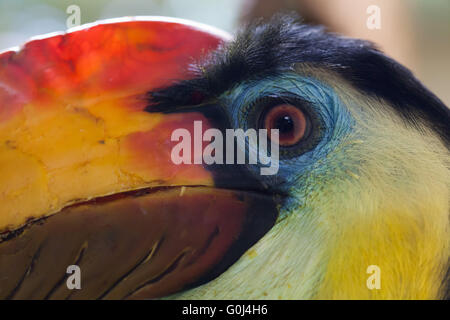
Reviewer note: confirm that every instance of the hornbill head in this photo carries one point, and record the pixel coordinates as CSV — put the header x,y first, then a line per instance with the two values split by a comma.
x,y
114,158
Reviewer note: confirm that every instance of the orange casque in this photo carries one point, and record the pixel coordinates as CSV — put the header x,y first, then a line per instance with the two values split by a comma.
x,y
72,125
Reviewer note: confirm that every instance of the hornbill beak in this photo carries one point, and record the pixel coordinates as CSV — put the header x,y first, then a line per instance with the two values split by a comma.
x,y
86,175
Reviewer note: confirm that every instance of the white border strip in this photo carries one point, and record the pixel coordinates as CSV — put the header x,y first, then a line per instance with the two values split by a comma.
x,y
195,25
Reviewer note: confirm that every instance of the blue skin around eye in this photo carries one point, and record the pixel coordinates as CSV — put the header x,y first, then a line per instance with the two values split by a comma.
x,y
337,122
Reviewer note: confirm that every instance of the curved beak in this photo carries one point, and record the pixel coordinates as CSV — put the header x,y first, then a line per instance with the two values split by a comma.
x,y
87,176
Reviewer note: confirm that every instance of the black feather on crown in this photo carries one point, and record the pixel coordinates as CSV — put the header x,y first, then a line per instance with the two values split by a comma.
x,y
266,49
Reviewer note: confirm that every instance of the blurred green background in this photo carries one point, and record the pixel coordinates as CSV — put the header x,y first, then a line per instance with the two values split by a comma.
x,y
430,21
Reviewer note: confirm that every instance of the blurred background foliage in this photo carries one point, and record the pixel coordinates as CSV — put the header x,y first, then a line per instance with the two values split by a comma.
x,y
427,53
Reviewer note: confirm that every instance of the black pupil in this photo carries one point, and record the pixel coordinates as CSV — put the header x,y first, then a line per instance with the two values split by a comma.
x,y
284,124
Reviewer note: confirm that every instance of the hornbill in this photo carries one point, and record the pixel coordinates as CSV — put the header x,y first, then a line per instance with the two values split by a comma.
x,y
87,176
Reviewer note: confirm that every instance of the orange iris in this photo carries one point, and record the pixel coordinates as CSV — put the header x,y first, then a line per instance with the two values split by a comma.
x,y
289,120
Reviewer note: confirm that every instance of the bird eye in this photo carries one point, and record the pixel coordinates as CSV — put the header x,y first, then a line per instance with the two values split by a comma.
x,y
299,125
289,120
